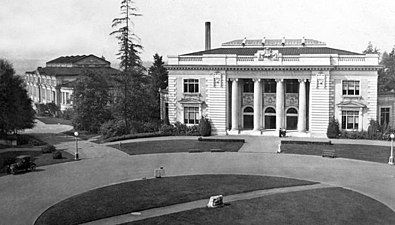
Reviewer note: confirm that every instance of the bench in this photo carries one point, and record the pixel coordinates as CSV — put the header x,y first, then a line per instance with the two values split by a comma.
x,y
328,153
217,150
194,150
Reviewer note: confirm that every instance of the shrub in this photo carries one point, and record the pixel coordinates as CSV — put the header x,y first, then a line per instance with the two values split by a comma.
x,y
134,136
67,114
48,149
333,130
113,128
149,127
204,127
57,155
167,129
193,131
180,128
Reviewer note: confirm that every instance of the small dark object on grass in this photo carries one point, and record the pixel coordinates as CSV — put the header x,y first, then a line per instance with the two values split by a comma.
x,y
57,155
48,149
194,150
328,153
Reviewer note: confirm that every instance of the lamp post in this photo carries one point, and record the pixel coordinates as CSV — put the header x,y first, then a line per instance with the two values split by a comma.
x,y
76,145
391,159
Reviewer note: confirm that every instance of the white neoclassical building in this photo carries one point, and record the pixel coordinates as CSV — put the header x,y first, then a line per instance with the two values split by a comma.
x,y
261,86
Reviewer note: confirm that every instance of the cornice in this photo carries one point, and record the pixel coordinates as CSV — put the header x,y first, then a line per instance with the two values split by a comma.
x,y
273,68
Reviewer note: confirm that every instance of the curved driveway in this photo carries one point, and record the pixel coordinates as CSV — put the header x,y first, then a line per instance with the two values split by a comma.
x,y
24,197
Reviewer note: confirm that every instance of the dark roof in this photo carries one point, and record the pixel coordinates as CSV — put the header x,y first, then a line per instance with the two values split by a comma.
x,y
282,50
75,71
72,59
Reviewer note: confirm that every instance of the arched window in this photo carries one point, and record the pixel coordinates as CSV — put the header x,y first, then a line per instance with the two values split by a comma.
x,y
292,119
270,110
270,118
248,110
292,111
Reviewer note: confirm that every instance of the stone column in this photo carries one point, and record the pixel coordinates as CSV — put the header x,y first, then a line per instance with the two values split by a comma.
x,y
235,105
257,104
302,106
360,120
279,104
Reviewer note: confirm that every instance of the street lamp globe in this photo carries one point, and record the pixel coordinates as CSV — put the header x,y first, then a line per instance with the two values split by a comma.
x,y
392,136
76,134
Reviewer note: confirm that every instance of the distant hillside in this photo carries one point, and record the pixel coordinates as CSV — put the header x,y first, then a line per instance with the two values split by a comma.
x,y
23,65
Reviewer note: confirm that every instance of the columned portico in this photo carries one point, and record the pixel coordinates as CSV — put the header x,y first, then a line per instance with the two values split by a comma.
x,y
302,106
257,104
279,104
235,105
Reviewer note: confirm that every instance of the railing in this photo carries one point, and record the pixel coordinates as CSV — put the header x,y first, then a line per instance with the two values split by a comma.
x,y
290,59
195,59
245,58
352,59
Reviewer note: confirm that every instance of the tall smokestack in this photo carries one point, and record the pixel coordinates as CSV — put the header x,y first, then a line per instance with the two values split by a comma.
x,y
208,36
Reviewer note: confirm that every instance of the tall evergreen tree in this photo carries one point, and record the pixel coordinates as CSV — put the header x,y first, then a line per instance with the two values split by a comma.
x,y
132,81
16,111
370,50
91,99
129,49
158,76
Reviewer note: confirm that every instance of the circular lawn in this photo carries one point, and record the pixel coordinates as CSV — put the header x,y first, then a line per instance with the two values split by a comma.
x,y
326,205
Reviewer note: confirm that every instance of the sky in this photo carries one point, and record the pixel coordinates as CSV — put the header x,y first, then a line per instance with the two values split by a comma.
x,y
46,29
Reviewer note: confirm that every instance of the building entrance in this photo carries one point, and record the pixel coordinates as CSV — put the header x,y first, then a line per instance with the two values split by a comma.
x,y
292,119
270,118
248,118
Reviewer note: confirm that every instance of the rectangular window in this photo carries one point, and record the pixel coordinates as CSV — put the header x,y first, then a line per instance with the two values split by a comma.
x,y
350,87
248,86
384,115
291,86
270,86
350,120
191,86
191,115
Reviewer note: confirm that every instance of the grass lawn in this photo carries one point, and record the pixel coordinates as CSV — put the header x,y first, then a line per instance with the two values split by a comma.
x,y
172,146
40,159
361,152
319,206
145,194
54,120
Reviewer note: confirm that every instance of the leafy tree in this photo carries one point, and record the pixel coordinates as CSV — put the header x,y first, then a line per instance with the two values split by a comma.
x,y
16,111
386,78
371,50
158,76
91,102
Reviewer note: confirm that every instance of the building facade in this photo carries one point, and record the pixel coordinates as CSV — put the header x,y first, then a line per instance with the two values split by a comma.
x,y
55,82
261,86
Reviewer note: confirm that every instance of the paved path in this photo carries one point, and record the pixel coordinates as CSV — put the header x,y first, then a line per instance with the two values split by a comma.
x,y
24,197
200,204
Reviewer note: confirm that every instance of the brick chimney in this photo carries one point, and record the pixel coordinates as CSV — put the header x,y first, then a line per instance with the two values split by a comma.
x,y
208,36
